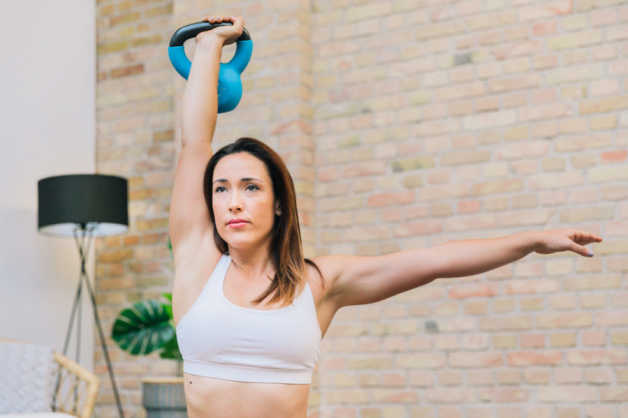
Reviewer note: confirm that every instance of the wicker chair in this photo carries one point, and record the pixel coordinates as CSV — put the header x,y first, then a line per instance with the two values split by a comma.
x,y
28,382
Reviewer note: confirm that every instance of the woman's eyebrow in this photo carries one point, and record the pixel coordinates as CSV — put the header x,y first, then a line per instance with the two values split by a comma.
x,y
242,180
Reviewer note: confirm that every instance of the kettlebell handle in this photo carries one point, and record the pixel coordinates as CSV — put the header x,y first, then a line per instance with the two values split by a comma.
x,y
182,64
188,31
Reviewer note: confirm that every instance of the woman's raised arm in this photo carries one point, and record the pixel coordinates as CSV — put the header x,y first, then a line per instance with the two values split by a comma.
x,y
200,98
189,218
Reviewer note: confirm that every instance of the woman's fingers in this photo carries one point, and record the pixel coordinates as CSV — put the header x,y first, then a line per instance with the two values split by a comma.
x,y
228,33
586,237
219,19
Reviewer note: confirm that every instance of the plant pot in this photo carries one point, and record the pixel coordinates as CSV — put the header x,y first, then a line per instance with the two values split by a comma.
x,y
163,397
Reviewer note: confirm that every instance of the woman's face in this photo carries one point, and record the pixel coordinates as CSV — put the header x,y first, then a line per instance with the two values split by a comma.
x,y
242,189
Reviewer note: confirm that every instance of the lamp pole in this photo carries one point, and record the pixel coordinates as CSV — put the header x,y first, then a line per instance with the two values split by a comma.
x,y
83,243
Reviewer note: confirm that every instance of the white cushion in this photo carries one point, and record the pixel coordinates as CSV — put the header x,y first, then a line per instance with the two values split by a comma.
x,y
38,415
27,372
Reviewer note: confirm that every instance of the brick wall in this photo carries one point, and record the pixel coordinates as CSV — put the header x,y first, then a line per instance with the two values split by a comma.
x,y
405,124
135,126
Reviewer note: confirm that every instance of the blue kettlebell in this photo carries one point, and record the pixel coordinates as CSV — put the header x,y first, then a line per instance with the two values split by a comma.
x,y
229,84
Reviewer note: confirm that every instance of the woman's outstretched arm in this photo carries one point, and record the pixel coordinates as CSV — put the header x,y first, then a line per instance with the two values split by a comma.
x,y
359,280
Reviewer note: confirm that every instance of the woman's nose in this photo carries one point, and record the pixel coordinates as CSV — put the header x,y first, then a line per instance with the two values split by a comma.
x,y
235,203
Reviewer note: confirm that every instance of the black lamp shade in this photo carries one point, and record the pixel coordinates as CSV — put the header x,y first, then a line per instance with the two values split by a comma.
x,y
88,201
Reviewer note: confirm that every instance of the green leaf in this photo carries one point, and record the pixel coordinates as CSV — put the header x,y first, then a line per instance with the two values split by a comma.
x,y
171,350
143,328
168,306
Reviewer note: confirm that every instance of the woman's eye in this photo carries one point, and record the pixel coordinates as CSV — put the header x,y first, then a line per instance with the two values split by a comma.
x,y
248,187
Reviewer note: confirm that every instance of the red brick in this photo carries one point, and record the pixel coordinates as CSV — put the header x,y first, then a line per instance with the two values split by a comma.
x,y
593,338
591,357
532,340
614,156
568,394
531,286
612,319
474,290
390,199
614,394
449,395
503,395
546,9
568,375
544,28
529,358
473,360
126,71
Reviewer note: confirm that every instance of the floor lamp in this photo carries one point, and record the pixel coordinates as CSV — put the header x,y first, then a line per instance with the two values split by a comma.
x,y
83,206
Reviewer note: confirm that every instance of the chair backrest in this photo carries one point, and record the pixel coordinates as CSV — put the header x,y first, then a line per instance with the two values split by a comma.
x,y
77,390
34,378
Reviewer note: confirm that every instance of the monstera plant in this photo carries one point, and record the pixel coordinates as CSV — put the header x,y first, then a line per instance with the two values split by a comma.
x,y
148,326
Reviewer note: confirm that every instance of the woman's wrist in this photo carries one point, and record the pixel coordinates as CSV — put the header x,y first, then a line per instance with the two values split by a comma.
x,y
529,240
209,40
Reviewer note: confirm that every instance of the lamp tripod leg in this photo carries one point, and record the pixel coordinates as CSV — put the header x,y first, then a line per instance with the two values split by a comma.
x,y
77,298
104,346
83,250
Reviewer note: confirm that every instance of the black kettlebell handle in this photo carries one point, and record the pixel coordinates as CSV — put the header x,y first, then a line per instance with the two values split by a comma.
x,y
189,31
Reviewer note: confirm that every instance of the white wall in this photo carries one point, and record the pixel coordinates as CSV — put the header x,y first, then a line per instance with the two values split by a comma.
x,y
47,80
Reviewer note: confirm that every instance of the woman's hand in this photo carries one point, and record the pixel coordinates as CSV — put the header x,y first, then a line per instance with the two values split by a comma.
x,y
555,240
228,34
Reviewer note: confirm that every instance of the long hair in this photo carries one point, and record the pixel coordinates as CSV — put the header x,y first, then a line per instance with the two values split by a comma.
x,y
286,249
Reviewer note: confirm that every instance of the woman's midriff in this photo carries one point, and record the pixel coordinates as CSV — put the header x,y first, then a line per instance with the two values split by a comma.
x,y
207,397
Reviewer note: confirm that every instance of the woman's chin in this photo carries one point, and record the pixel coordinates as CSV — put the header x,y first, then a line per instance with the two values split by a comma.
x,y
243,240
238,240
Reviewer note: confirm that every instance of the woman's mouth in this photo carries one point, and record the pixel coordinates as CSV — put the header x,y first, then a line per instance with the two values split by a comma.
x,y
237,224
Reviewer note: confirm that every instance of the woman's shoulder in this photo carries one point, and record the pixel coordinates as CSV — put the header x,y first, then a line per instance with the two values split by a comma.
x,y
321,278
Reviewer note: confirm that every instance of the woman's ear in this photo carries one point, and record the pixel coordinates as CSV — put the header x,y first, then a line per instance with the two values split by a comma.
x,y
277,209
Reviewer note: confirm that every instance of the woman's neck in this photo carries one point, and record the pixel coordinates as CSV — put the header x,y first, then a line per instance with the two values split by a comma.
x,y
252,263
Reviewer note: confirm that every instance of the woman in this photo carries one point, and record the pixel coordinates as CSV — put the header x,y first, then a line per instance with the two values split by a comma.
x,y
250,311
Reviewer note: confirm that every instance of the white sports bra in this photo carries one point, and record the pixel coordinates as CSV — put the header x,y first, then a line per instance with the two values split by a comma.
x,y
220,339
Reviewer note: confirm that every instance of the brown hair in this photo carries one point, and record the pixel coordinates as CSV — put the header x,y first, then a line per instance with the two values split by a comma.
x,y
286,248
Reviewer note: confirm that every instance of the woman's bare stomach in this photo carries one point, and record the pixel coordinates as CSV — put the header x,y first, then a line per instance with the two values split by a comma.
x,y
207,397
